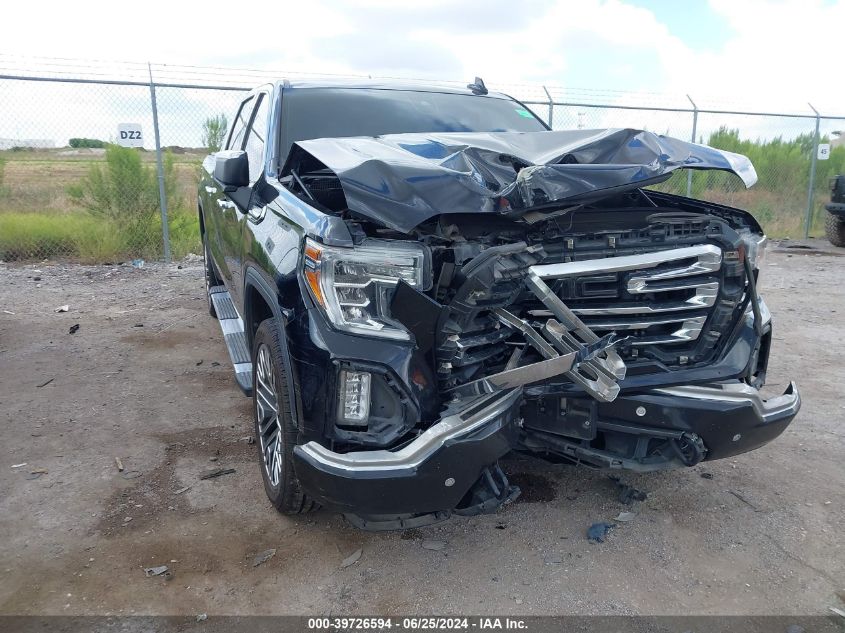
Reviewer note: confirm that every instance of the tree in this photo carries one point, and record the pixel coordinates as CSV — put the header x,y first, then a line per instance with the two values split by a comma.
x,y
214,132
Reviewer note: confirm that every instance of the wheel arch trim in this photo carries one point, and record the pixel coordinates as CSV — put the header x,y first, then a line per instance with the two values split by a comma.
x,y
253,280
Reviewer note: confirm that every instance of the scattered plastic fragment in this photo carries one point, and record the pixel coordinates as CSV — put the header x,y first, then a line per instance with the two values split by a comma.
x,y
352,558
45,383
119,464
217,473
155,571
63,308
624,517
597,531
21,465
73,328
181,490
137,263
434,546
202,617
263,557
707,475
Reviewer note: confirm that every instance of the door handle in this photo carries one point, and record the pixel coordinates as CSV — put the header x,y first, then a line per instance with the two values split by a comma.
x,y
210,189
225,204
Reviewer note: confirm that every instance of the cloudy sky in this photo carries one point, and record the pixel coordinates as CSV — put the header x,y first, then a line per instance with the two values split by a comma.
x,y
761,55
774,53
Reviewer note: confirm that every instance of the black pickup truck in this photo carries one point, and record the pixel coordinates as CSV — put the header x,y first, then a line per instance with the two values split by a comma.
x,y
414,281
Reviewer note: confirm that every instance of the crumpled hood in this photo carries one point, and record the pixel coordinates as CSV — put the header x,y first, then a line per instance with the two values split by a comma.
x,y
402,180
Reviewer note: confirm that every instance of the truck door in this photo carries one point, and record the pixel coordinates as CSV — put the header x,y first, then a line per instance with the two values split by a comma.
x,y
222,209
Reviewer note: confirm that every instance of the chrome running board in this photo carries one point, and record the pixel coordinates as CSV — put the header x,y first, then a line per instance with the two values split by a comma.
x,y
234,335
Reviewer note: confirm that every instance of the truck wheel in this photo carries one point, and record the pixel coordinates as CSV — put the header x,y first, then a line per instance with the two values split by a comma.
x,y
834,229
274,430
210,276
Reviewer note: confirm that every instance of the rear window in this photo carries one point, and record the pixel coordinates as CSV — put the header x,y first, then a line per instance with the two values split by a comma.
x,y
309,113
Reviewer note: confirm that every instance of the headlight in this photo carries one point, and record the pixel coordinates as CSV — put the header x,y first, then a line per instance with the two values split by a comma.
x,y
354,286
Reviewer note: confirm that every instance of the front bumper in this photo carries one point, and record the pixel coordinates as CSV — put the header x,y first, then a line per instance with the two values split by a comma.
x,y
432,473
436,472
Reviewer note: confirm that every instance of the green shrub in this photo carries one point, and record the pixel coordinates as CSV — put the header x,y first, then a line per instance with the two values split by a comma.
x,y
86,142
214,132
126,192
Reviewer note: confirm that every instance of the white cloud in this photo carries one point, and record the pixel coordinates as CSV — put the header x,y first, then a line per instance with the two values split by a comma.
x,y
778,54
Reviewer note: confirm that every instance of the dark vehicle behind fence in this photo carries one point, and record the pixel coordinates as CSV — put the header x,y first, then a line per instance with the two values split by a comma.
x,y
414,281
834,225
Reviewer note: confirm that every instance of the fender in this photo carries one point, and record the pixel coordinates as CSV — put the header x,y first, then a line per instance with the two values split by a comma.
x,y
255,280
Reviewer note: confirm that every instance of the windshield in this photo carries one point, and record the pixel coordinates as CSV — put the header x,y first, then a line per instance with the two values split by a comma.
x,y
309,113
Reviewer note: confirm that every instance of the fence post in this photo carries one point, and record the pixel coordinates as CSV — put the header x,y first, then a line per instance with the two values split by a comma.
x,y
813,157
692,138
165,230
551,108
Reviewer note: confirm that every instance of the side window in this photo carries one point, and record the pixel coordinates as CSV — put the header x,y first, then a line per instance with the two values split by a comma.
x,y
255,139
239,125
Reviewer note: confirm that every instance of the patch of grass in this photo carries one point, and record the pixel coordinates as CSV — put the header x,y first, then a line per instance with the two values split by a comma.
x,y
28,235
89,239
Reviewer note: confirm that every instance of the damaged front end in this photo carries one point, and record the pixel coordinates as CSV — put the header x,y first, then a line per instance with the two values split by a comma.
x,y
596,323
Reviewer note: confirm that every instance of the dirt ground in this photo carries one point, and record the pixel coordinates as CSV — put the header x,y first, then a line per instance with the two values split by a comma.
x,y
146,379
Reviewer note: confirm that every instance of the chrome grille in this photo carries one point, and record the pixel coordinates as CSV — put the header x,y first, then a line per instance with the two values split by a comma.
x,y
663,297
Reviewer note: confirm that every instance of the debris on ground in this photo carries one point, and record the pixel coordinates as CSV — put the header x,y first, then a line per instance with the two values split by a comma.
x,y
217,473
263,557
119,464
73,328
434,546
137,263
63,308
707,475
202,617
155,571
249,439
837,611
131,474
21,465
199,363
744,500
352,558
628,494
624,517
36,474
598,531
181,490
45,383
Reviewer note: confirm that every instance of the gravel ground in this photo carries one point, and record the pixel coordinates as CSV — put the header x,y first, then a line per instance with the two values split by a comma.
x,y
146,379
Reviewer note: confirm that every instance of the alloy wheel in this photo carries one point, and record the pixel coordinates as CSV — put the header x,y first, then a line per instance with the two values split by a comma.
x,y
267,415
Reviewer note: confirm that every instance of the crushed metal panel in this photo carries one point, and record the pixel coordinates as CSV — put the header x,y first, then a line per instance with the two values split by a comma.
x,y
402,180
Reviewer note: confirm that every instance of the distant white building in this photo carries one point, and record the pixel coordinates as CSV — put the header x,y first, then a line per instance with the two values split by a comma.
x,y
37,143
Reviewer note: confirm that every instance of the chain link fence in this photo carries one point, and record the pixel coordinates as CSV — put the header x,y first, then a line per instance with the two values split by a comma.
x,y
69,190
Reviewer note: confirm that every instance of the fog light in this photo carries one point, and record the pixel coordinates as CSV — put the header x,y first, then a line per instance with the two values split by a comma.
x,y
354,397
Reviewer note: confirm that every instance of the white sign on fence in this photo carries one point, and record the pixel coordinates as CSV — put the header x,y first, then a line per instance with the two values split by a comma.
x,y
824,151
129,135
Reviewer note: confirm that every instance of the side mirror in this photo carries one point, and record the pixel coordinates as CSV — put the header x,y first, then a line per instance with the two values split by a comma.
x,y
231,168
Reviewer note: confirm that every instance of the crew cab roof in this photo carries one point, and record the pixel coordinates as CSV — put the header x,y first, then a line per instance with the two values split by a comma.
x,y
379,84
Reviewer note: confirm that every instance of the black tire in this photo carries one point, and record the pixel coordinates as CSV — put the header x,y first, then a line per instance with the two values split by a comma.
x,y
211,279
275,459
834,229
